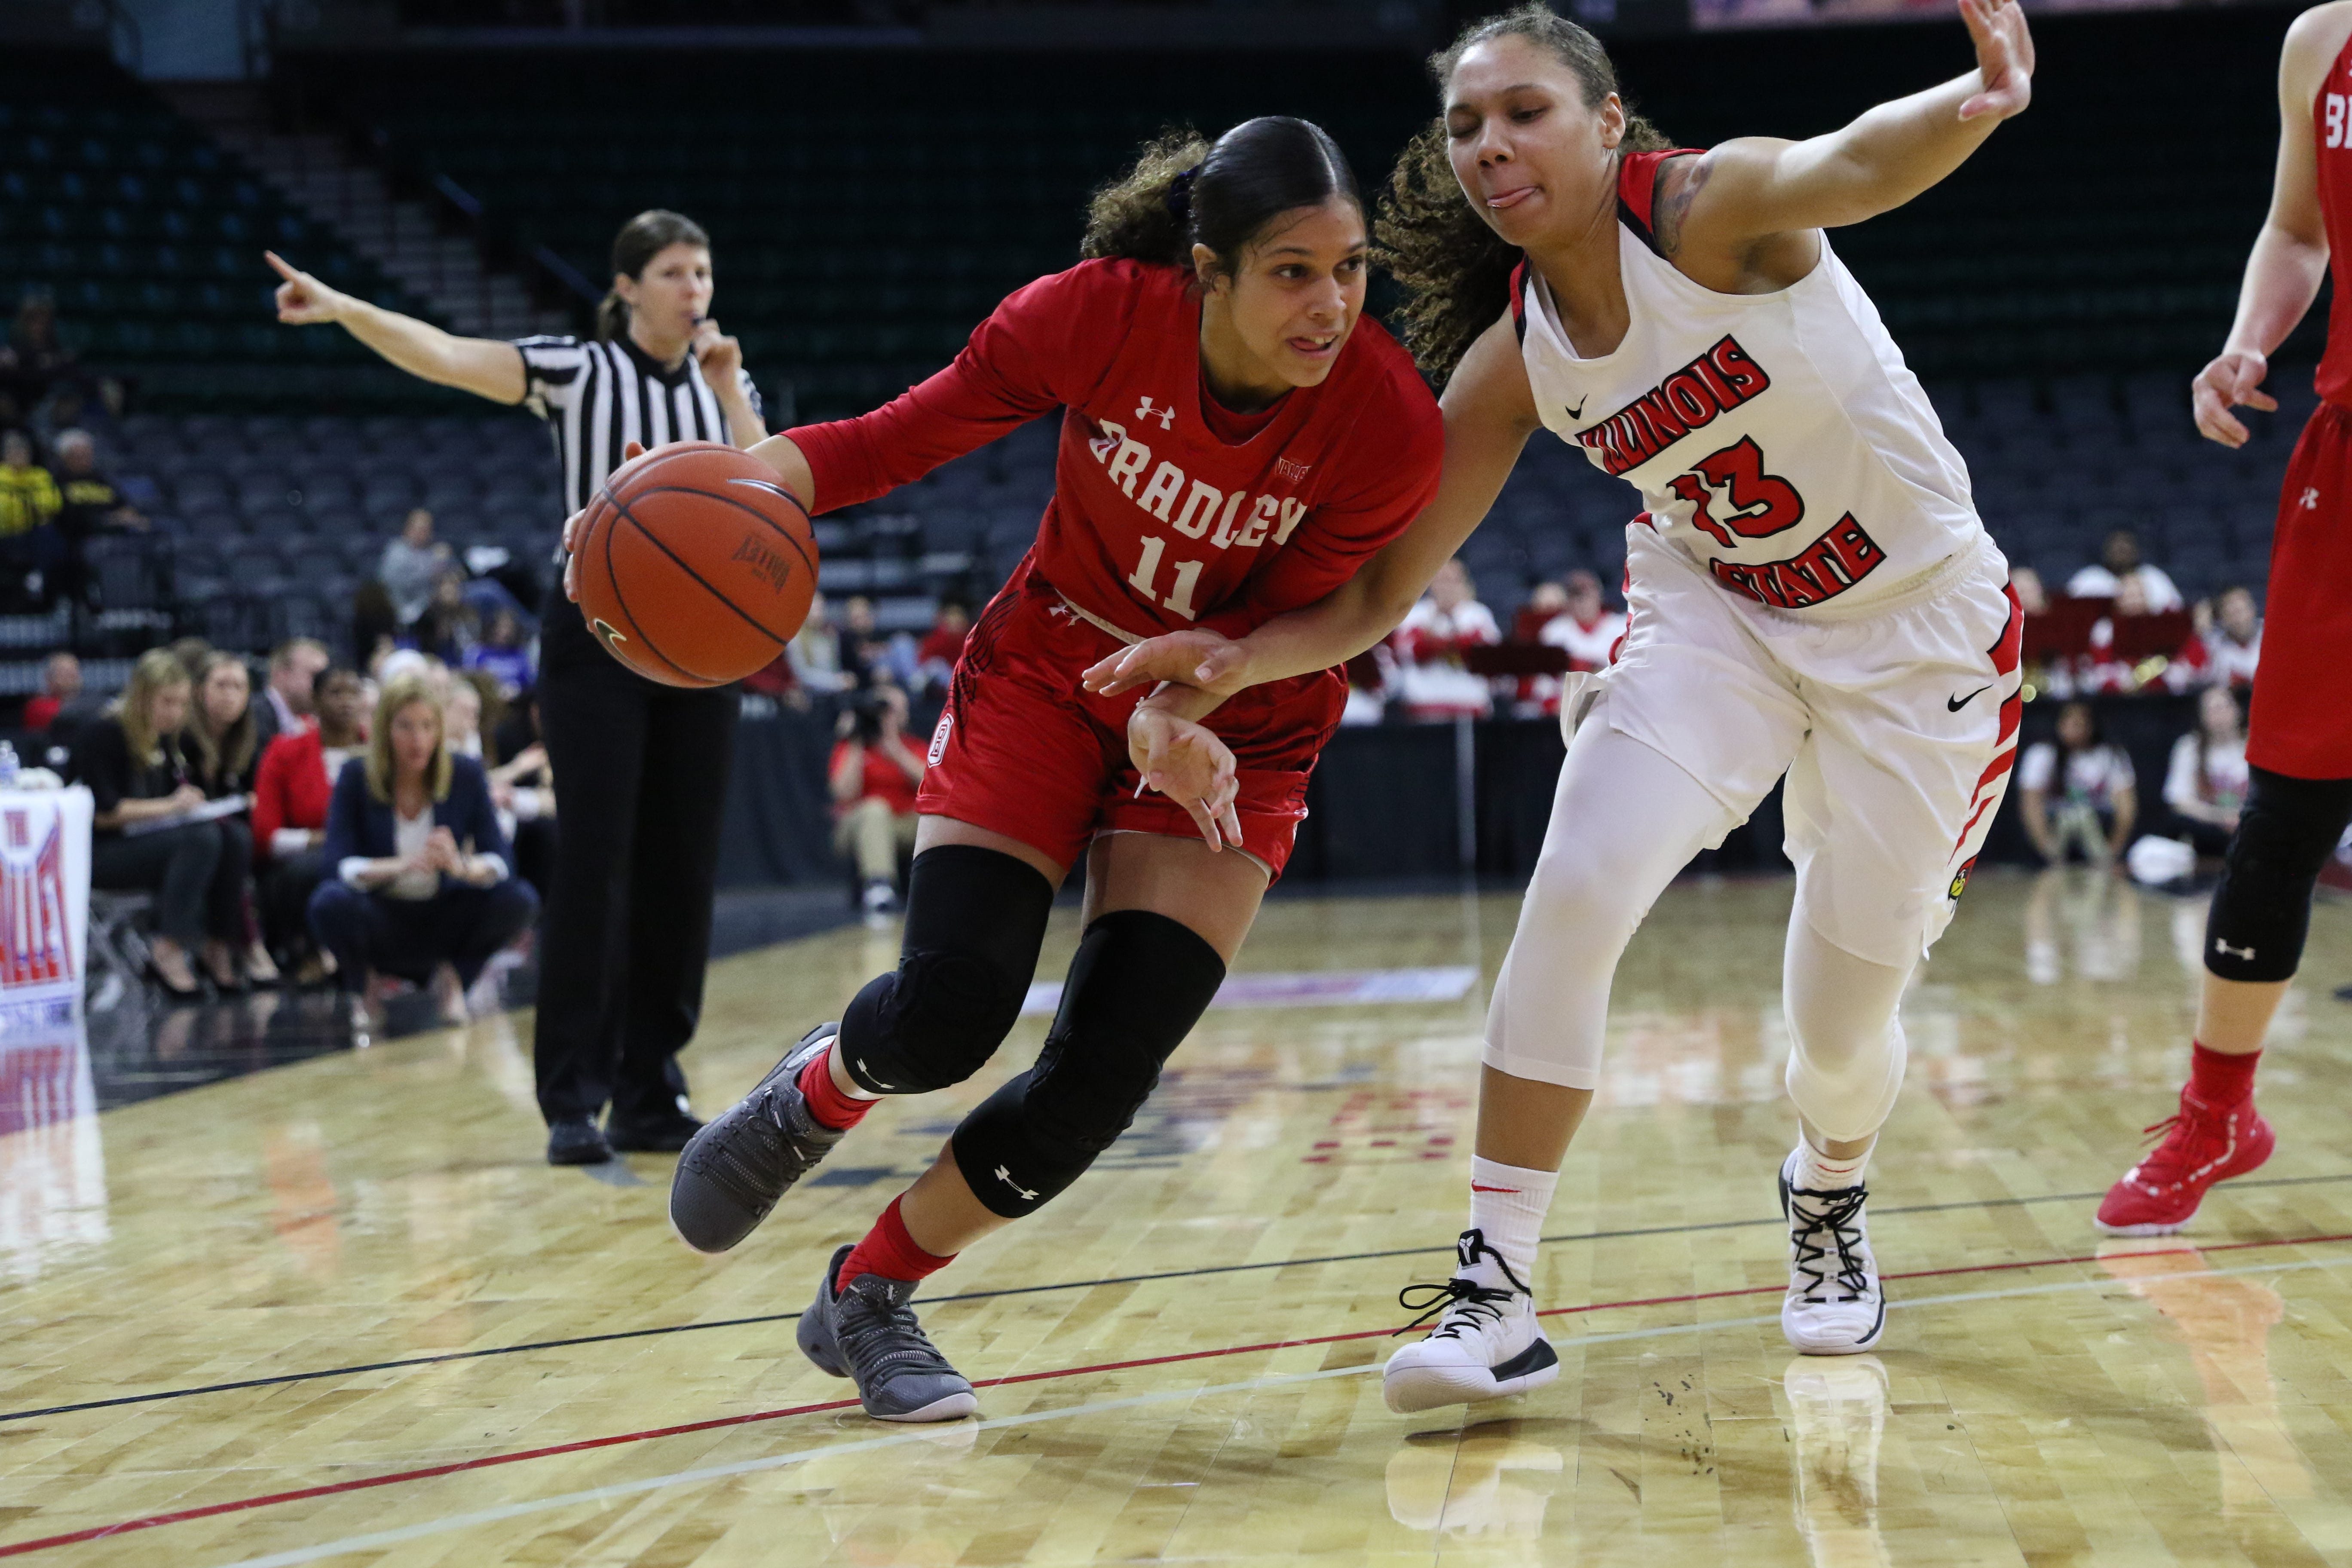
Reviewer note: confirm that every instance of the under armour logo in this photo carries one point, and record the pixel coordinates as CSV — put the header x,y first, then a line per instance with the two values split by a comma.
x,y
1007,1177
2226,950
2310,498
1167,416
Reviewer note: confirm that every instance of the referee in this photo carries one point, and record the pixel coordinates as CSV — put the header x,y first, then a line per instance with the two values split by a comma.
x,y
627,928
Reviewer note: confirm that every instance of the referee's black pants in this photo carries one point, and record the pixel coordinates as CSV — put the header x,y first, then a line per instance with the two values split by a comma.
x,y
641,775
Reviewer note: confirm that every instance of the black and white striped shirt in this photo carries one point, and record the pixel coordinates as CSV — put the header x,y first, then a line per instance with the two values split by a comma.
x,y
598,397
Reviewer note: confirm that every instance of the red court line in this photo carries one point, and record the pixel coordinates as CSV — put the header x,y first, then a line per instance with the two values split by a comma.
x,y
460,1467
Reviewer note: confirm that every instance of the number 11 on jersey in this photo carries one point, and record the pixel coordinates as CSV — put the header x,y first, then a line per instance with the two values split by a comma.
x,y
1146,571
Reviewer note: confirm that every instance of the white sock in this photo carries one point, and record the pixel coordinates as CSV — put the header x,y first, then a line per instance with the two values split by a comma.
x,y
1507,1203
1817,1172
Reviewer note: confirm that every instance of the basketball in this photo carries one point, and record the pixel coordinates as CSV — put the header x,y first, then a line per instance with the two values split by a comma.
x,y
696,566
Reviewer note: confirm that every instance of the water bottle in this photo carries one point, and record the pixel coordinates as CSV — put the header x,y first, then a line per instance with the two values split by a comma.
x,y
8,766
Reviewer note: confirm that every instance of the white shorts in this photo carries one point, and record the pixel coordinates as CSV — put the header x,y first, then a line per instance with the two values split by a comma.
x,y
1897,728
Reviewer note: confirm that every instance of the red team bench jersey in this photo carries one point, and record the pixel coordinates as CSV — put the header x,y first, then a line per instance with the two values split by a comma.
x,y
1160,519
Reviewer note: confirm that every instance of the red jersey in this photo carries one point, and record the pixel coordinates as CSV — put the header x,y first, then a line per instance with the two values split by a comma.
x,y
2331,130
1167,510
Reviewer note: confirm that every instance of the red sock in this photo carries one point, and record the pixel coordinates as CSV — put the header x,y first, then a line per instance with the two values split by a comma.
x,y
826,1103
2218,1079
888,1251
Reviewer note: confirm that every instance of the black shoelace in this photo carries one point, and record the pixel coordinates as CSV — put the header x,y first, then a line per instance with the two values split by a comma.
x,y
1480,1303
1840,1216
879,1335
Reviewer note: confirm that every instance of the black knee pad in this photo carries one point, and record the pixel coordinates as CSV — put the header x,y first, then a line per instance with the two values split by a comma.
x,y
1138,984
975,919
2262,910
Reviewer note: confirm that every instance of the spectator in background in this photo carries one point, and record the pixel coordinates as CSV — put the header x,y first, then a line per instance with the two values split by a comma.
x,y
936,656
870,654
2119,560
2033,598
291,788
2079,792
524,786
2205,783
288,705
1586,627
138,776
1546,600
876,770
91,502
60,684
222,750
411,565
502,655
816,653
2227,647
1429,644
37,356
420,887
30,550
2111,668
449,627
192,652
376,629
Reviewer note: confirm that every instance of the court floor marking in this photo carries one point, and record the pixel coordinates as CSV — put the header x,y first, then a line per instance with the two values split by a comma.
x,y
404,1362
489,1461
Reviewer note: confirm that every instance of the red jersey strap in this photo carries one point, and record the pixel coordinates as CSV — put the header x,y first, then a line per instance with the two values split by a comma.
x,y
1519,298
1637,189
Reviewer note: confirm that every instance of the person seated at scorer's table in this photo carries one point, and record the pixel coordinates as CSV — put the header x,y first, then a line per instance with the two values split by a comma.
x,y
2205,783
503,655
132,762
421,888
291,788
60,684
220,745
2097,800
289,693
876,770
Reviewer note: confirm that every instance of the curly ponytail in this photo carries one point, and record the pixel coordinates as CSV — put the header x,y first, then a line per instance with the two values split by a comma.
x,y
1185,191
1456,270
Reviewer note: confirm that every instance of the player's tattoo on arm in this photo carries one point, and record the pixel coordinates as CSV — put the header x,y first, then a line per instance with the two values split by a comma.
x,y
1679,184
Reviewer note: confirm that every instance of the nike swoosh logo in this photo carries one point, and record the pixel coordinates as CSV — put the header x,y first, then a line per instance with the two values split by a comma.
x,y
1957,703
1477,1188
1578,412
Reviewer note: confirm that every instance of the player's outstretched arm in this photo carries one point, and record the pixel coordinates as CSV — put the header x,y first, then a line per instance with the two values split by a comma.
x,y
1754,188
2290,254
1490,415
484,366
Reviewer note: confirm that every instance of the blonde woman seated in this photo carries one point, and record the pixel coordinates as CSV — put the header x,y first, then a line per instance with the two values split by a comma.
x,y
421,889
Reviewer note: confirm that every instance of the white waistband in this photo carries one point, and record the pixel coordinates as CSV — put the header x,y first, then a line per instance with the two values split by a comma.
x,y
1096,621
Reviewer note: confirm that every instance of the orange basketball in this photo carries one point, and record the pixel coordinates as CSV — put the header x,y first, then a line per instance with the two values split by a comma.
x,y
696,566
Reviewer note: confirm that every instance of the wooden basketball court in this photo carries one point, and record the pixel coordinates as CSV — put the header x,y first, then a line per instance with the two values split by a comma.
x,y
339,1313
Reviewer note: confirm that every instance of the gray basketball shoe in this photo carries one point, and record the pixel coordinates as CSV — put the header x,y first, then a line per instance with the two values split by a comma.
x,y
868,1333
747,1156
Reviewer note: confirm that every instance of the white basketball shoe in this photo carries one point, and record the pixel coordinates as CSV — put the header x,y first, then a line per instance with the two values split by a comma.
x,y
1486,1344
1834,1305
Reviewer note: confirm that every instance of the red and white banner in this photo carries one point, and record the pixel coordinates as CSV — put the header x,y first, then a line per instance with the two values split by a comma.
x,y
44,908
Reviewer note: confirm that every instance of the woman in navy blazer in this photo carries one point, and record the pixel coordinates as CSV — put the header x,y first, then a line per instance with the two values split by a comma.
x,y
419,884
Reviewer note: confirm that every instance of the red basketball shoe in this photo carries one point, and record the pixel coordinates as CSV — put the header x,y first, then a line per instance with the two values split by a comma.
x,y
2204,1144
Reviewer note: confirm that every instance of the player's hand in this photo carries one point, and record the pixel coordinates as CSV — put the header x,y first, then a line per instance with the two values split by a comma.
x,y
1190,766
1213,664
721,356
572,524
2004,58
2235,380
302,300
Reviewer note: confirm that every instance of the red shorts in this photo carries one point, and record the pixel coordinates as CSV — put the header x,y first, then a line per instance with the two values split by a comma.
x,y
1022,750
2302,723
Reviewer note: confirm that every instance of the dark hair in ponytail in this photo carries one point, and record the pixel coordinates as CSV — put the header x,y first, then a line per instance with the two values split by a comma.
x,y
1454,269
641,240
1185,191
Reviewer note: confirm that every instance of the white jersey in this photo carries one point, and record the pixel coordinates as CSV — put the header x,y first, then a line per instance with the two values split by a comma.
x,y
1778,440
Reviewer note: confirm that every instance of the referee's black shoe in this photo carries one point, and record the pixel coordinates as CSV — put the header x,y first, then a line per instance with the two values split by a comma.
x,y
749,1155
576,1141
666,1131
864,1329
